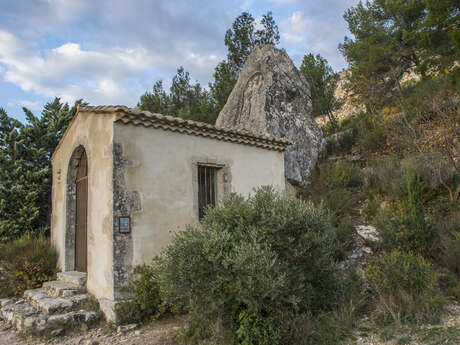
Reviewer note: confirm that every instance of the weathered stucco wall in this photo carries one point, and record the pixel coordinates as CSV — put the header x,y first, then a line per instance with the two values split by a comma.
x,y
95,133
160,173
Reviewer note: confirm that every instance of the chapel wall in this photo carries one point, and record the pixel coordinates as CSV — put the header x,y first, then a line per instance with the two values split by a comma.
x,y
160,171
95,133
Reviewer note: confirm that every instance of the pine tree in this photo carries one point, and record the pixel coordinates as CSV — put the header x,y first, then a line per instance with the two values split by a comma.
x,y
156,101
323,82
25,171
241,40
394,37
190,100
185,99
439,38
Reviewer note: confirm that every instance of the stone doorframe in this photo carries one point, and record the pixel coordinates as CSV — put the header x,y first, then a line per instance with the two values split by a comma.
x,y
71,207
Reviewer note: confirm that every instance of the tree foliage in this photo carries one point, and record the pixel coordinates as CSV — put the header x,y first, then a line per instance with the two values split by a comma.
x,y
25,172
192,101
241,39
185,99
439,37
323,82
393,38
404,68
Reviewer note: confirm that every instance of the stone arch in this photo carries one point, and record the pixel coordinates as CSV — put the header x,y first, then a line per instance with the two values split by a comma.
x,y
74,171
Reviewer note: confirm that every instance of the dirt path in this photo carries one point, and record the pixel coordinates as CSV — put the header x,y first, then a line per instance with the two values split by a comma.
x,y
155,333
163,332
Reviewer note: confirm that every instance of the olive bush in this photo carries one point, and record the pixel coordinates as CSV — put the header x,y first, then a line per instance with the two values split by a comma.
x,y
253,266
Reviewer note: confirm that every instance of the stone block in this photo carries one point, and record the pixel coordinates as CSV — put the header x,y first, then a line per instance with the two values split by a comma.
x,y
62,288
126,328
73,277
53,305
57,332
367,232
108,308
30,321
35,294
60,319
6,301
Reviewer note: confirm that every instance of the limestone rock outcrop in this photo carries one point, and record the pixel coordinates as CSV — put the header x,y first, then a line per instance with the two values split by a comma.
x,y
272,97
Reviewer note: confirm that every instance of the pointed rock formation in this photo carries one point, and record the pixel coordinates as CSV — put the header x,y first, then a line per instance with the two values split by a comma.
x,y
272,97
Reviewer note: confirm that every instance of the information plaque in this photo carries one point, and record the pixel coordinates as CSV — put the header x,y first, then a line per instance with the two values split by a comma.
x,y
125,225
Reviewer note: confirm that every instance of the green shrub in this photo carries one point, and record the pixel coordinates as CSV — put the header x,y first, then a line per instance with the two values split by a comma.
x,y
415,204
370,209
371,133
146,303
254,265
341,203
198,330
405,286
27,263
255,329
345,232
385,177
449,253
449,284
340,174
334,326
405,226
340,143
335,184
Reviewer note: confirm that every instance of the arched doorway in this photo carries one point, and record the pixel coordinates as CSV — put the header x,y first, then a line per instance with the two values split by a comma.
x,y
77,210
81,189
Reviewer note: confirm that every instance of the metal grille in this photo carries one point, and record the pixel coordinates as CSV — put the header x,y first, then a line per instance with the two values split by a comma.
x,y
207,184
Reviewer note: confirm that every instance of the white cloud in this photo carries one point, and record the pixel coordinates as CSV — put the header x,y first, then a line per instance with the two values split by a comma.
x,y
65,10
294,28
32,105
70,72
283,2
67,70
201,63
108,51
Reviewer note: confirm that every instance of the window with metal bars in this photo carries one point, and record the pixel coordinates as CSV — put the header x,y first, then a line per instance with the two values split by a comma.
x,y
207,188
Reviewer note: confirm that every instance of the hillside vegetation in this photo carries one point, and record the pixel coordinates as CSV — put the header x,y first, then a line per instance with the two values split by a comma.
x,y
265,270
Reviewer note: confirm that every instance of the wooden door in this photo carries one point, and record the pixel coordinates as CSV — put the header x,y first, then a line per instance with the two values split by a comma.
x,y
81,215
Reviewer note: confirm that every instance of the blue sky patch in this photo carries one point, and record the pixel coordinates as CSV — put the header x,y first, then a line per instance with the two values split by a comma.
x,y
112,51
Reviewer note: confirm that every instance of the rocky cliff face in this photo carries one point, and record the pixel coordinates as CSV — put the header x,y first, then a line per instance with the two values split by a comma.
x,y
271,97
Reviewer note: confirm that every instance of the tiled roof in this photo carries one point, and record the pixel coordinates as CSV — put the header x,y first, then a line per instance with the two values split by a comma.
x,y
144,118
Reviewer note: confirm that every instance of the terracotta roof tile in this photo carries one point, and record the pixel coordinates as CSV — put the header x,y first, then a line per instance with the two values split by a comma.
x,y
144,118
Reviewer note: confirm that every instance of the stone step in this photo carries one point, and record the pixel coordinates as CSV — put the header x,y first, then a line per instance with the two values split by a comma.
x,y
73,277
15,312
25,318
61,321
58,288
41,301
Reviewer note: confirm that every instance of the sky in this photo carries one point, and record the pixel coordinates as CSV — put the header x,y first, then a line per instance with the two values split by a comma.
x,y
112,51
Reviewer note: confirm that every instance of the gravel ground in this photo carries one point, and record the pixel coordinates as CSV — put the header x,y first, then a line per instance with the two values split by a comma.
x,y
163,333
155,333
447,332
